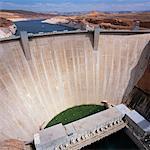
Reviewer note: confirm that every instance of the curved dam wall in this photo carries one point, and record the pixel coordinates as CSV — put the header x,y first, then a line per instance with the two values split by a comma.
x,y
64,71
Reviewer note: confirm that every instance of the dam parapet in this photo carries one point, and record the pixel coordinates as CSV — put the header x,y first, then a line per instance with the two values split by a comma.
x,y
103,32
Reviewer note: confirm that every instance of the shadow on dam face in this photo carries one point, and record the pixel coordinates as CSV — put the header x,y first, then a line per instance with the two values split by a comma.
x,y
64,71
137,71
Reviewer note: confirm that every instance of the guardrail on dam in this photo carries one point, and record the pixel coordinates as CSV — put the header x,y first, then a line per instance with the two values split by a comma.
x,y
64,70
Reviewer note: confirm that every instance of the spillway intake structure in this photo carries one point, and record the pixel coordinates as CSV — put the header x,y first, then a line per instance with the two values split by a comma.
x,y
42,75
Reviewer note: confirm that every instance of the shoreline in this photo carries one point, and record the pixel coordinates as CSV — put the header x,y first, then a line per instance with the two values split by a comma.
x,y
65,22
19,19
55,20
25,19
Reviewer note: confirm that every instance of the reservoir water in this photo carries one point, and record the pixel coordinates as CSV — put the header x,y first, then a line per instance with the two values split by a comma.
x,y
36,26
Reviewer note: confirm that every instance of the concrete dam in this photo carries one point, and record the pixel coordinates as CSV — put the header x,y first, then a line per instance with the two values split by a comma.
x,y
45,74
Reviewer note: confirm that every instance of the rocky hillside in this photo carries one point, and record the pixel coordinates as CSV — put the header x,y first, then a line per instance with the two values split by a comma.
x,y
116,21
12,144
119,21
16,15
5,23
7,28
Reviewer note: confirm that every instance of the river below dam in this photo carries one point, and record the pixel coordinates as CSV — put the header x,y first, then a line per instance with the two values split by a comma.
x,y
116,141
36,26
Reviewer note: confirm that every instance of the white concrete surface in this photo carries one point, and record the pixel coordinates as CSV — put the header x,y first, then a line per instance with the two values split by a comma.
x,y
64,71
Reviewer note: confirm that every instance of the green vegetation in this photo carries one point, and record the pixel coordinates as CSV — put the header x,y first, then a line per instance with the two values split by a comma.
x,y
75,113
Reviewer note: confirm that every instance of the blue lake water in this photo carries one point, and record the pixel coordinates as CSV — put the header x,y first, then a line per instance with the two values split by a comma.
x,y
36,26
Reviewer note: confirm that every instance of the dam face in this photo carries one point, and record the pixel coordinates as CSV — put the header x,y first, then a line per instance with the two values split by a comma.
x,y
62,71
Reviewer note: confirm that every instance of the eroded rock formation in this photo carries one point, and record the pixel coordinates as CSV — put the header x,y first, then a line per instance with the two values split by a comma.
x,y
7,28
12,144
